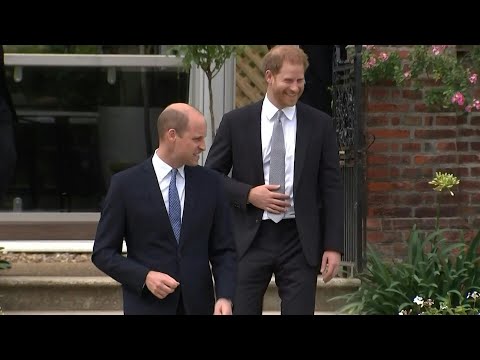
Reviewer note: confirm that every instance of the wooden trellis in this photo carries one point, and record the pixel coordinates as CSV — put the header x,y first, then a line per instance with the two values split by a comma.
x,y
250,83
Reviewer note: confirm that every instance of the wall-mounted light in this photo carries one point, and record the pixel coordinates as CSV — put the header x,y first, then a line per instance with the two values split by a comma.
x,y
111,75
17,73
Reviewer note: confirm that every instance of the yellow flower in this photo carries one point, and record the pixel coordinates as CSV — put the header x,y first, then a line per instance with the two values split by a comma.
x,y
444,181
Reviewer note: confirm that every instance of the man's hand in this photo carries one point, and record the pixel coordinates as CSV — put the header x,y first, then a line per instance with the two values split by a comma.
x,y
266,198
160,284
330,265
223,307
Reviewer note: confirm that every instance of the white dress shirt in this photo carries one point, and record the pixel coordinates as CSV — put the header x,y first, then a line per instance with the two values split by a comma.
x,y
290,133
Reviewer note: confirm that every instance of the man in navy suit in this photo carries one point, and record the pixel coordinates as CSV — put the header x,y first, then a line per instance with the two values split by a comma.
x,y
8,154
170,269
308,237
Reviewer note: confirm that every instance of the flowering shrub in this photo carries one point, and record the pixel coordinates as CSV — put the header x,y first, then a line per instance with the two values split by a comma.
x,y
454,78
4,264
446,275
428,307
379,66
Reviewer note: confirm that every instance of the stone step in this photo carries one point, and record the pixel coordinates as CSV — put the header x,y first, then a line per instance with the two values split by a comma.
x,y
82,287
59,293
65,312
44,225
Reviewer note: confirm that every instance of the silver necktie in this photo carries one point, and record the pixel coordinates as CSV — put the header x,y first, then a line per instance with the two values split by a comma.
x,y
277,161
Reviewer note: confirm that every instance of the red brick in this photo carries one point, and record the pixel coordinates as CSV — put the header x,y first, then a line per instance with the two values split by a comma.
x,y
376,93
475,120
416,172
377,160
446,120
380,186
469,159
378,198
393,212
375,236
469,132
390,133
394,121
412,94
412,121
469,185
377,147
446,146
387,107
373,121
374,224
435,134
411,147
428,120
475,171
438,159
394,172
378,172
420,107
395,147
475,146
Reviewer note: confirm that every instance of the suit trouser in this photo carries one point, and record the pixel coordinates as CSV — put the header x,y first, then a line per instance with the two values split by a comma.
x,y
276,250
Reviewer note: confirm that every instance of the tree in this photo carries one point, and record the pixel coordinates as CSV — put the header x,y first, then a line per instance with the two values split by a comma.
x,y
210,58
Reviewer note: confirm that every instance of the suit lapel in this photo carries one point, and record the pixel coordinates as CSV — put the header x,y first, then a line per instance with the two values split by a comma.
x,y
253,126
302,141
191,188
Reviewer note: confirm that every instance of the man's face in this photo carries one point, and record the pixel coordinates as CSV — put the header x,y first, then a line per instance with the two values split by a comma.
x,y
191,144
287,86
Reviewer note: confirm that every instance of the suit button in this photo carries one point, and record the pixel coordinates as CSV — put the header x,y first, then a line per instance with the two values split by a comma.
x,y
257,221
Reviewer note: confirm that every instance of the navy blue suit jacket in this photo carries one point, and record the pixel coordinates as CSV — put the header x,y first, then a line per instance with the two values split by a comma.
x,y
134,209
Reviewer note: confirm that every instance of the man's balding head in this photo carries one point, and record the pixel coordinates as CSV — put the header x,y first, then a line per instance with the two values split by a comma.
x,y
181,132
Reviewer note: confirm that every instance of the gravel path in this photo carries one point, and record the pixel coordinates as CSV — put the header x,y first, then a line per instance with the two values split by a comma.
x,y
45,257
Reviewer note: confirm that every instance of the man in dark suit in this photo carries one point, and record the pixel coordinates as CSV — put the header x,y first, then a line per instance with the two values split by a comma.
x,y
171,258
318,76
8,154
309,235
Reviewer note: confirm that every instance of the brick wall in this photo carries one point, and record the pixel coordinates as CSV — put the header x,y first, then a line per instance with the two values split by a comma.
x,y
410,144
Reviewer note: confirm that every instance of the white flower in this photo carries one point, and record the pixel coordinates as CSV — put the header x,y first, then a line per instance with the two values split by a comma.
x,y
418,300
473,295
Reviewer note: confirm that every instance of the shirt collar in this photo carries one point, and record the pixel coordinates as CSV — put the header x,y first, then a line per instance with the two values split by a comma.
x,y
163,169
270,110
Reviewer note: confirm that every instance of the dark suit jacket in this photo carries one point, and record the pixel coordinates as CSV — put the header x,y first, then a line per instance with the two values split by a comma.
x,y
318,77
317,187
8,154
134,209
